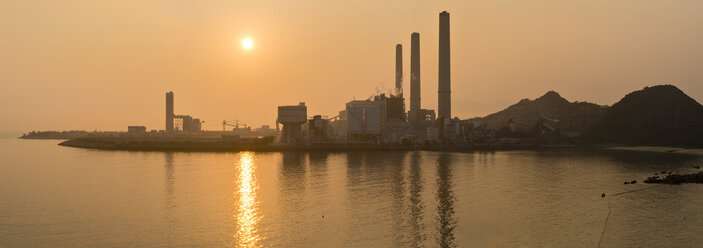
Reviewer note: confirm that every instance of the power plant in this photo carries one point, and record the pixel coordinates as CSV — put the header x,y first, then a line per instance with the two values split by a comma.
x,y
380,120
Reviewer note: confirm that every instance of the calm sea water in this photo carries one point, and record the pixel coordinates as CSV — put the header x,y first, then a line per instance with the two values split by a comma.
x,y
52,196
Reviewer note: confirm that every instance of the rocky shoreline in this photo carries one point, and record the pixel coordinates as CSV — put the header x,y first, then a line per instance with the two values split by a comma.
x,y
661,149
676,179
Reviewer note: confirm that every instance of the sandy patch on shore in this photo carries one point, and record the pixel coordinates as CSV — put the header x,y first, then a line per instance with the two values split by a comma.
x,y
698,152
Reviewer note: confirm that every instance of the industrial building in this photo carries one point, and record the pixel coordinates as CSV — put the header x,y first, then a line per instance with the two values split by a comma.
x,y
136,129
363,120
179,123
319,129
292,118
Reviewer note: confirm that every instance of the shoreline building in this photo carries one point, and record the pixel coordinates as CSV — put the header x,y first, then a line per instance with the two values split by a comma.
x,y
183,123
292,118
364,121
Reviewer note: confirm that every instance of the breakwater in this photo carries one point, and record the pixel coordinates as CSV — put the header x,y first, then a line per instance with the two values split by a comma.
x,y
261,144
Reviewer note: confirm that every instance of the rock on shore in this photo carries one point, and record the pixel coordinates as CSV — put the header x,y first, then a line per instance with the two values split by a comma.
x,y
677,179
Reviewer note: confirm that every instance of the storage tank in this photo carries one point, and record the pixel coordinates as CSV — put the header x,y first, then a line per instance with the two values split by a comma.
x,y
363,120
355,119
373,120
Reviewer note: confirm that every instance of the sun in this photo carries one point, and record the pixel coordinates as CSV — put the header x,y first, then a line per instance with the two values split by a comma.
x,y
247,43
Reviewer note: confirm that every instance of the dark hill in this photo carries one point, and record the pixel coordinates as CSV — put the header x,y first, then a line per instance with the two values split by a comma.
x,y
658,115
575,117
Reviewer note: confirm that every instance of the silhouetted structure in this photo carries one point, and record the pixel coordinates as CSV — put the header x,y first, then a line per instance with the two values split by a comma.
x,y
395,108
136,129
186,123
399,70
169,112
364,120
414,114
318,128
444,106
445,196
292,118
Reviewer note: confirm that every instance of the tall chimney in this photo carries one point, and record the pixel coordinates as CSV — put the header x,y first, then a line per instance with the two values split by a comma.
x,y
414,78
444,106
169,112
399,69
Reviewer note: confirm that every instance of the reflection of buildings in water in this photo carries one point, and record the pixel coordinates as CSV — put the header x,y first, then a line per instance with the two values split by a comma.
x,y
445,202
293,161
169,180
355,175
318,180
389,182
247,209
171,218
486,157
358,194
291,197
364,167
417,227
355,166
394,161
293,171
318,158
354,160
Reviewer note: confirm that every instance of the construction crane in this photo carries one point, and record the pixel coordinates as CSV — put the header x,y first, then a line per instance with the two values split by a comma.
x,y
230,123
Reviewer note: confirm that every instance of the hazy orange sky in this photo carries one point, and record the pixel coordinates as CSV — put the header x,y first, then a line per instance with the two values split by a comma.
x,y
107,64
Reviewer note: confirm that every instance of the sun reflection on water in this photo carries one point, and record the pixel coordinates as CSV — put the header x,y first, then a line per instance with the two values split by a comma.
x,y
246,214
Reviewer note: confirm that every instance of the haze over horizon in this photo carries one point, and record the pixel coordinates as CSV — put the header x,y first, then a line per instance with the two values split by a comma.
x,y
107,64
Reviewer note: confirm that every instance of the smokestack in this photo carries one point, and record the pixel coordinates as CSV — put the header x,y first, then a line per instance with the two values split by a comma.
x,y
399,69
414,77
169,112
444,107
